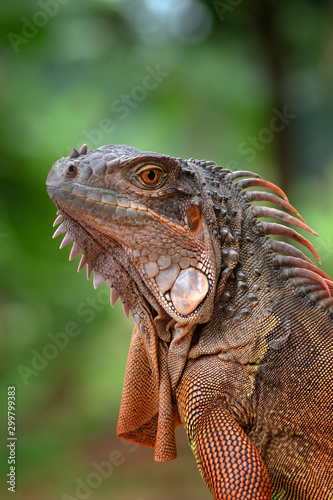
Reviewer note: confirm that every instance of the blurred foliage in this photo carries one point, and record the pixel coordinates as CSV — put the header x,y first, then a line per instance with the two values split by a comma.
x,y
74,72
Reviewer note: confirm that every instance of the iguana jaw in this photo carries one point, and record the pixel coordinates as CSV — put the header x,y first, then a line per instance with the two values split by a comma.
x,y
181,278
180,290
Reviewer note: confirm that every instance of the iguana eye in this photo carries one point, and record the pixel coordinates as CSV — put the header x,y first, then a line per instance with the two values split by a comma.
x,y
151,175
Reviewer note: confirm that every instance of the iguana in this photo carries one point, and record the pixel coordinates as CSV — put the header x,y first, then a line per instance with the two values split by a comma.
x,y
234,329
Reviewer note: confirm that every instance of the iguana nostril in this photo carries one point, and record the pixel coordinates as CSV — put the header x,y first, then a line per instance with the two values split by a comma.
x,y
71,170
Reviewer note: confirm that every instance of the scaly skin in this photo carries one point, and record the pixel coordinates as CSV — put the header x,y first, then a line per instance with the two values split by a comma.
x,y
233,335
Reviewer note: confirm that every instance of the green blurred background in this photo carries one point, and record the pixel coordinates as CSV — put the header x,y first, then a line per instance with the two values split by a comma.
x,y
189,78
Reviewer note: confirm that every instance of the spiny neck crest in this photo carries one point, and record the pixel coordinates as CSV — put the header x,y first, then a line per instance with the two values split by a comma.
x,y
300,273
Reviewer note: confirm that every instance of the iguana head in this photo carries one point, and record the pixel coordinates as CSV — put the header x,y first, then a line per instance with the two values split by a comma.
x,y
144,223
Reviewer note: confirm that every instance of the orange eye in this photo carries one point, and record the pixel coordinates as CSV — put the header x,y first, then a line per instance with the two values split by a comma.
x,y
151,176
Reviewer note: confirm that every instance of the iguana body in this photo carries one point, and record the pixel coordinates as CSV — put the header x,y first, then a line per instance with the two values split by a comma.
x,y
234,330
